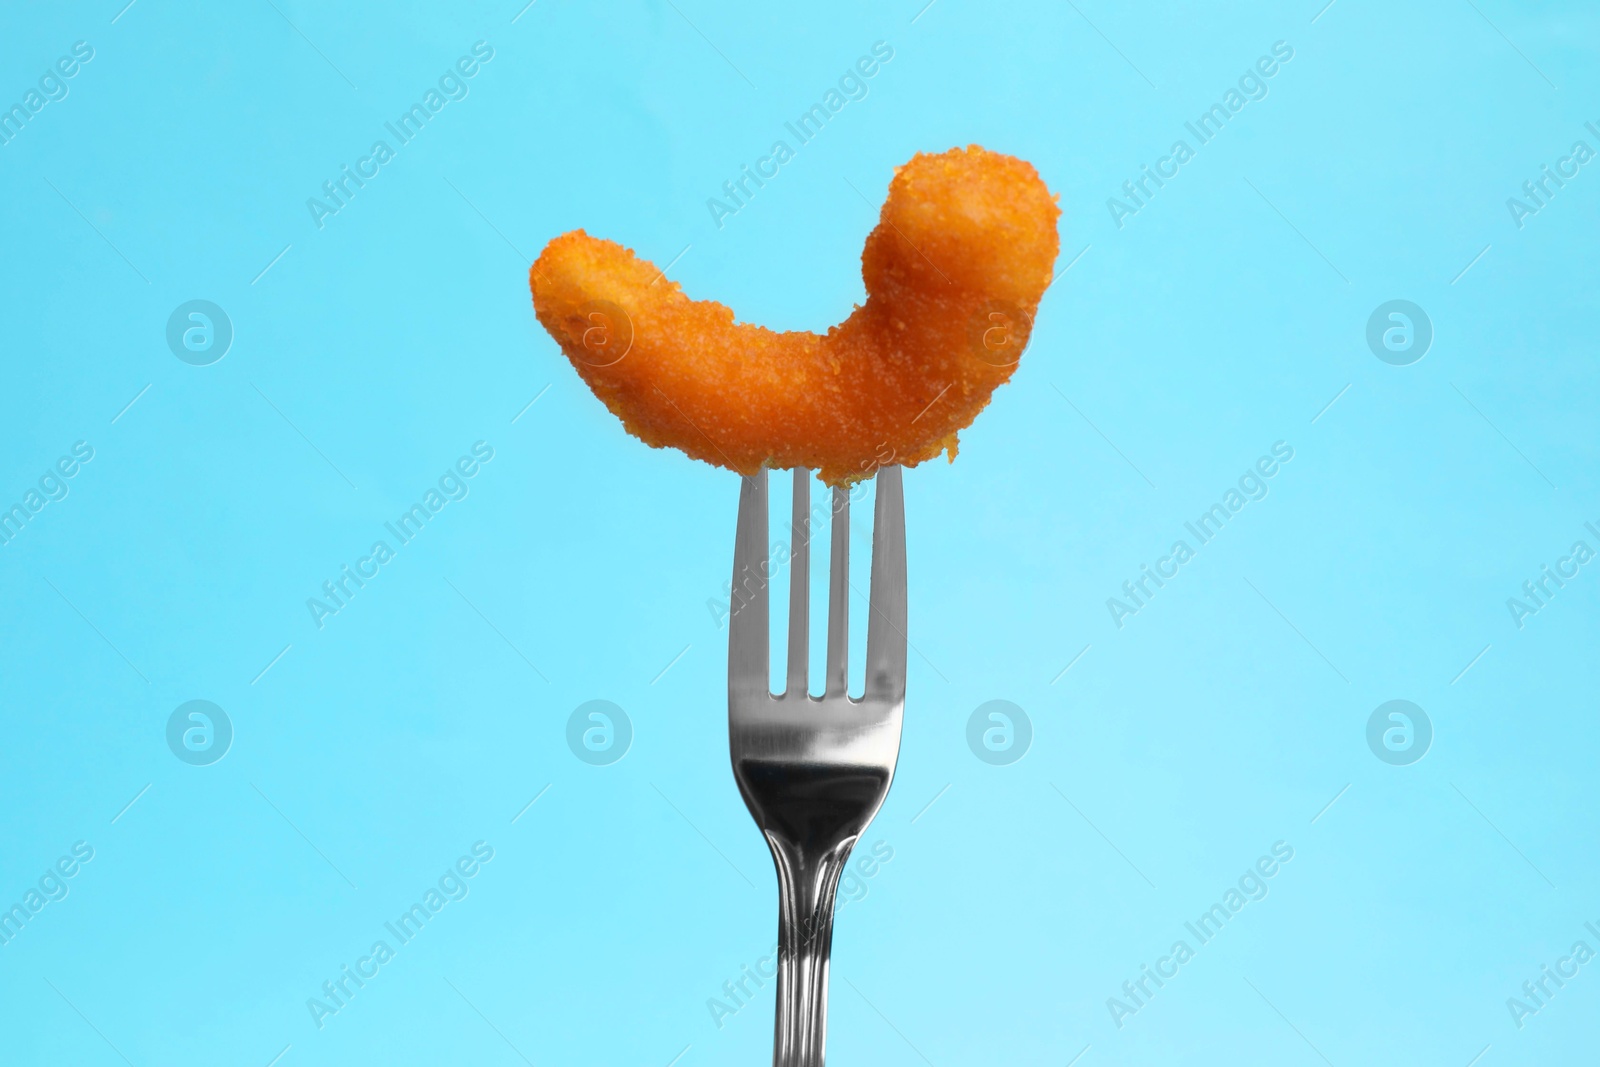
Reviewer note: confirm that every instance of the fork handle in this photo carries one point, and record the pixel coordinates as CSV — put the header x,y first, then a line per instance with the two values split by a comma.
x,y
807,889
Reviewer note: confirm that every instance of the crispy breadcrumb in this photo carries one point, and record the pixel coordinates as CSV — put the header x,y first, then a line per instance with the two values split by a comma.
x,y
963,251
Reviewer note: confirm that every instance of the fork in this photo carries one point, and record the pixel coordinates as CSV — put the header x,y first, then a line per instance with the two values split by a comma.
x,y
814,770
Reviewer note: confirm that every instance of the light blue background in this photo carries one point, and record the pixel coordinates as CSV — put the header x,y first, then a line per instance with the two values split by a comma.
x,y
1225,716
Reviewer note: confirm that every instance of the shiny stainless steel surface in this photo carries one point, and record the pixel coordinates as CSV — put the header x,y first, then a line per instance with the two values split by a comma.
x,y
814,770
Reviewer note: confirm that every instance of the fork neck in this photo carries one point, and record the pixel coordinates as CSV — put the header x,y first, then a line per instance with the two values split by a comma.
x,y
807,888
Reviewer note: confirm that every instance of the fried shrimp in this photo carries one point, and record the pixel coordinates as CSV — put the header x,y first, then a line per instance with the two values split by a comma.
x,y
963,251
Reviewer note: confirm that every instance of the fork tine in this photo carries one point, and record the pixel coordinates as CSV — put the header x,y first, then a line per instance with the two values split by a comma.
x,y
886,625
800,586
747,621
838,596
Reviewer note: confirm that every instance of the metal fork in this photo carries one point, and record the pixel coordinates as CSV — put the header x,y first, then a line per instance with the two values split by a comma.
x,y
814,770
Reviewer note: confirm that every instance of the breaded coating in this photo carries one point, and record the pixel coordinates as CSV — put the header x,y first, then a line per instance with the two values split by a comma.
x,y
963,251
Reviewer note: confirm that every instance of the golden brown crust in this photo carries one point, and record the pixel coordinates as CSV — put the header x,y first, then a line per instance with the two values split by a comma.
x,y
963,251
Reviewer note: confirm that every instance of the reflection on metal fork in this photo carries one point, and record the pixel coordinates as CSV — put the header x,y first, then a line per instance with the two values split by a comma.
x,y
814,770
